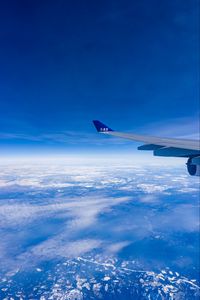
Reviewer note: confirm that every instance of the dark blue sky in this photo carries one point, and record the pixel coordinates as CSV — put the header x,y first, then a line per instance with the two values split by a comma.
x,y
131,64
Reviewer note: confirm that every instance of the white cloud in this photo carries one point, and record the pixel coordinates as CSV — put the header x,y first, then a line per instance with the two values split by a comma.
x,y
55,247
116,247
148,199
78,215
151,188
82,211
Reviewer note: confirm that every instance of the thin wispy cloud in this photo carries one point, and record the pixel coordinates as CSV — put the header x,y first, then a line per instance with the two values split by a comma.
x,y
63,138
187,127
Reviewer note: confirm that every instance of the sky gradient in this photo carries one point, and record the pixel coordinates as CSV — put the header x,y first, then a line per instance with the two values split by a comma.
x,y
131,64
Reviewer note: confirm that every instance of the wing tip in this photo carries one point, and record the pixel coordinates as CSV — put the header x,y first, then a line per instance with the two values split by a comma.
x,y
100,127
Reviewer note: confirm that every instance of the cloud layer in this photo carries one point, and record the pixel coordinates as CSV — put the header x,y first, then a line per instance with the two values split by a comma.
x,y
85,213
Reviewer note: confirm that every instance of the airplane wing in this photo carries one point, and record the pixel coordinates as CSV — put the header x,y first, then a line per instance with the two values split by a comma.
x,y
161,146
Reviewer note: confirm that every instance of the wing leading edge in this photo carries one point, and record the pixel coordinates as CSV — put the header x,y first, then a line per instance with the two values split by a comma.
x,y
160,146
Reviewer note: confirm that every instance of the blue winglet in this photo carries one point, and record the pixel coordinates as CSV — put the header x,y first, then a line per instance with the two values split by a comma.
x,y
100,127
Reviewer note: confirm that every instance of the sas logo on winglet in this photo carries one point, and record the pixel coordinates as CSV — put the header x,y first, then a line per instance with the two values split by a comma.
x,y
103,129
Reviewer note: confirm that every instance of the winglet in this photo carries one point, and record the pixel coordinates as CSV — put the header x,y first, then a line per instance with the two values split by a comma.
x,y
100,127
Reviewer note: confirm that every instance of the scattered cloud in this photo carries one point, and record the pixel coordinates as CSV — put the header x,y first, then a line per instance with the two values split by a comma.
x,y
88,204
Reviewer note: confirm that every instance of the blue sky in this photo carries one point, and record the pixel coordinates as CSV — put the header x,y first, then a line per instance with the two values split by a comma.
x,y
131,64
